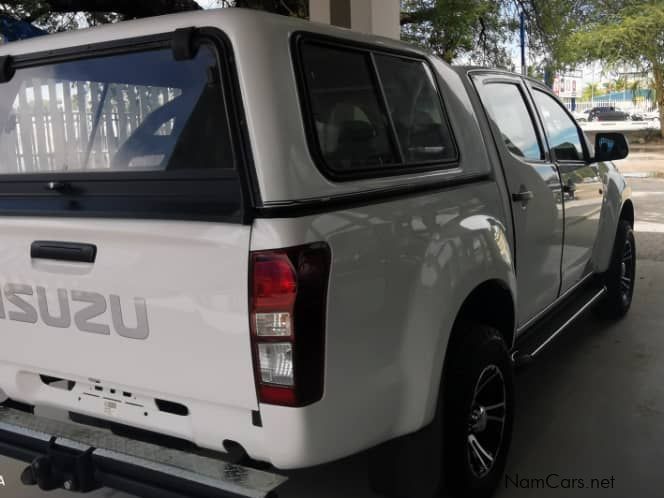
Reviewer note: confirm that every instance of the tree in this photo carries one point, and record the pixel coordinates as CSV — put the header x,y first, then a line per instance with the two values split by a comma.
x,y
62,15
620,84
475,31
297,8
478,30
632,35
548,25
590,91
635,88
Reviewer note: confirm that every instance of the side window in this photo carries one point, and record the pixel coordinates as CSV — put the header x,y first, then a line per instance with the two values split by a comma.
x,y
351,126
415,109
507,108
560,128
371,112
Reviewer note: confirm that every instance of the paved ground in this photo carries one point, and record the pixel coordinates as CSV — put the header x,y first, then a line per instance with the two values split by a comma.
x,y
647,158
591,408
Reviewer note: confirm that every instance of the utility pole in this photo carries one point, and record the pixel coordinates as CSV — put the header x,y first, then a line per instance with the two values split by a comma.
x,y
592,84
522,30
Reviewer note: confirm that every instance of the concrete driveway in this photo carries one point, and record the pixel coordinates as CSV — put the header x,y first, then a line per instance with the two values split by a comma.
x,y
590,412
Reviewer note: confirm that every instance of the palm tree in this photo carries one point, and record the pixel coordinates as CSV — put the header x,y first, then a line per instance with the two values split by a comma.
x,y
635,87
620,84
590,91
609,86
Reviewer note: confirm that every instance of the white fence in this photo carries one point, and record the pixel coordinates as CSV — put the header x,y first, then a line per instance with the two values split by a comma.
x,y
620,126
641,105
57,125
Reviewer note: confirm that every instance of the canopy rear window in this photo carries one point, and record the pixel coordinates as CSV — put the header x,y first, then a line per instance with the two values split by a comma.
x,y
132,112
154,133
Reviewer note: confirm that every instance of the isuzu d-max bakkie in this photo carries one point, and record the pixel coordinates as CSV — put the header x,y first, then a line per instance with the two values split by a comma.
x,y
229,238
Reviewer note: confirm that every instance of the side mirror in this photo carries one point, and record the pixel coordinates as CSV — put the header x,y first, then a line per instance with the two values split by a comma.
x,y
610,147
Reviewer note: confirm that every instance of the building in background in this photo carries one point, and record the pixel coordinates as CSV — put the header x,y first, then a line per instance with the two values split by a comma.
x,y
376,17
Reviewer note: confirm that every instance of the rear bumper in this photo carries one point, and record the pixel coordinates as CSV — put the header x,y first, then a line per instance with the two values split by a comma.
x,y
91,457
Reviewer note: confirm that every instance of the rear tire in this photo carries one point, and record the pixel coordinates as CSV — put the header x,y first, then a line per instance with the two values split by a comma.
x,y
478,411
621,275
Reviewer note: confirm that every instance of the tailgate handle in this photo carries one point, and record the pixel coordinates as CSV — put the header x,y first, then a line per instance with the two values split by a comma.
x,y
64,251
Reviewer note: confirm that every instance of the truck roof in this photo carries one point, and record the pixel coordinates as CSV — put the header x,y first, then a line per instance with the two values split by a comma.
x,y
240,25
464,69
271,103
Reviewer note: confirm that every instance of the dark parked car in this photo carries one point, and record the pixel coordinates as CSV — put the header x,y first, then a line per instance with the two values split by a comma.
x,y
607,114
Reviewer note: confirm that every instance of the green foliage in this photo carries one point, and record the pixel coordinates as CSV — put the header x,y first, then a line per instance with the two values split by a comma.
x,y
536,72
63,15
591,90
475,31
634,87
620,84
297,8
468,31
550,22
631,34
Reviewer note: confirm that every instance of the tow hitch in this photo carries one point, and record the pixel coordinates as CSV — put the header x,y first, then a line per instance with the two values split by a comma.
x,y
61,469
82,458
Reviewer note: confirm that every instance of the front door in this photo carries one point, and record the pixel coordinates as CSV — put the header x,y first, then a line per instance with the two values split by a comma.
x,y
535,191
583,189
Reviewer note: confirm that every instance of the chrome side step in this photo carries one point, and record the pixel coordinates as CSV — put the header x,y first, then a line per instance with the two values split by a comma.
x,y
81,458
535,343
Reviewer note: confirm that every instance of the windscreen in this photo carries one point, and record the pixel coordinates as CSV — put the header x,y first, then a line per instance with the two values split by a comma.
x,y
141,111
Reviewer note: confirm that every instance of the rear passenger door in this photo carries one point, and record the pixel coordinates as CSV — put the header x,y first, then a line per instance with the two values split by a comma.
x,y
535,190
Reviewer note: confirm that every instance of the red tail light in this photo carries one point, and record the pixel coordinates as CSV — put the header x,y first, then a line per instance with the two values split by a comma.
x,y
287,319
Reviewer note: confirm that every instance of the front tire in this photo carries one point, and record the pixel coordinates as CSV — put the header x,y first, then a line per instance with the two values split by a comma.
x,y
478,411
621,275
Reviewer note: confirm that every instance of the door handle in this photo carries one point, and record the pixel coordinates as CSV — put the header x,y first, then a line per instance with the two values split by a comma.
x,y
523,196
57,186
64,251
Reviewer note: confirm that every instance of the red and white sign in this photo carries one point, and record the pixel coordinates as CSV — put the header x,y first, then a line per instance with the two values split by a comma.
x,y
567,86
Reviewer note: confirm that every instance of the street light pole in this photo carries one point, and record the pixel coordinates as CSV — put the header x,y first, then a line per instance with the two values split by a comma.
x,y
592,84
522,30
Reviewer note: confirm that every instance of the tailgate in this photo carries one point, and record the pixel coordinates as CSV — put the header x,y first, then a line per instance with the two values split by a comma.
x,y
137,154
162,311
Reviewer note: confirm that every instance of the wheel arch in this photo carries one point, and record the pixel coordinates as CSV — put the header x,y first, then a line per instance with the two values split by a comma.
x,y
627,212
490,303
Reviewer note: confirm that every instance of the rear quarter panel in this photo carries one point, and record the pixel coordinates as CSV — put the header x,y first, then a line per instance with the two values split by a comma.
x,y
401,269
400,272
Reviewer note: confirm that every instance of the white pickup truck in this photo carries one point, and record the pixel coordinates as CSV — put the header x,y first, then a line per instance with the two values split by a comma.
x,y
228,237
